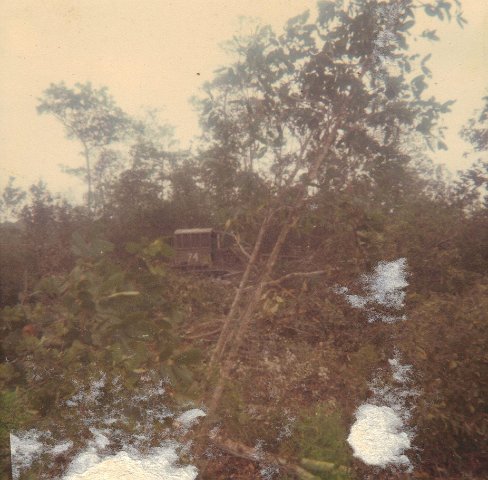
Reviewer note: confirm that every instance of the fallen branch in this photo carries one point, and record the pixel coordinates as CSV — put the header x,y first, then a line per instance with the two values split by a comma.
x,y
239,450
203,334
203,329
289,276
295,275
207,323
323,467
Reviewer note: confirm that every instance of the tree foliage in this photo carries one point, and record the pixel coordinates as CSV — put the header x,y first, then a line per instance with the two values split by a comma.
x,y
474,182
89,115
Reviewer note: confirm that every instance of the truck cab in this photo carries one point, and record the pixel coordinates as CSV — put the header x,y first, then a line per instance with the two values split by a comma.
x,y
195,247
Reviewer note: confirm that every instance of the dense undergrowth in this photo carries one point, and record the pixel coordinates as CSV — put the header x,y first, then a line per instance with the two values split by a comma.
x,y
305,366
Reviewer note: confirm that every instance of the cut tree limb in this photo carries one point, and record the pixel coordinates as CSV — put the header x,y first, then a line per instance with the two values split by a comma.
x,y
240,450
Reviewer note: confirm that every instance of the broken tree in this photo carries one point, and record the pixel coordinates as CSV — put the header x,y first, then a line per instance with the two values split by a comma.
x,y
321,106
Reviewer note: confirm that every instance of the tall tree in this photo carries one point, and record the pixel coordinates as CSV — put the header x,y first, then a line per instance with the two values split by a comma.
x,y
153,151
473,186
11,200
89,115
337,94
472,192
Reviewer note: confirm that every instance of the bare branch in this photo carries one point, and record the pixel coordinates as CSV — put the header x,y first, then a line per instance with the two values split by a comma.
x,y
239,244
300,159
197,336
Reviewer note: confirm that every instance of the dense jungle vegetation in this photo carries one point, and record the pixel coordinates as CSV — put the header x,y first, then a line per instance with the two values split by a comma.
x,y
316,156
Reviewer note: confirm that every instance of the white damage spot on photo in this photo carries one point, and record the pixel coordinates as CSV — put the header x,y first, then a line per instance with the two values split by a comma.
x,y
377,437
381,435
27,447
401,373
112,451
383,288
190,417
24,449
158,465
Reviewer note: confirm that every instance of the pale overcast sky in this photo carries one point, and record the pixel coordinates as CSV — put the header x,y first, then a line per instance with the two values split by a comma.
x,y
157,53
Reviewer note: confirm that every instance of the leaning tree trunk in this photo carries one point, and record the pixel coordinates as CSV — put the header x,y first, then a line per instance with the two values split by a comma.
x,y
236,326
231,316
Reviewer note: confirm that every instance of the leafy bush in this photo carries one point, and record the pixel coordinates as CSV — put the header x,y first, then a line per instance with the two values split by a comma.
x,y
321,444
103,318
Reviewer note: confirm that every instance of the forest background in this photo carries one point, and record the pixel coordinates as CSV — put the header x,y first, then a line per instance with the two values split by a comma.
x,y
315,157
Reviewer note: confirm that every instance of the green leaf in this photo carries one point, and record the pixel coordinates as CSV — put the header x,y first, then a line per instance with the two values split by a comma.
x,y
445,107
298,20
407,26
321,466
100,247
430,35
142,329
130,293
7,372
158,248
188,357
165,351
183,374
116,352
49,286
157,270
164,324
114,281
441,145
140,354
327,11
76,351
133,247
168,373
79,247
